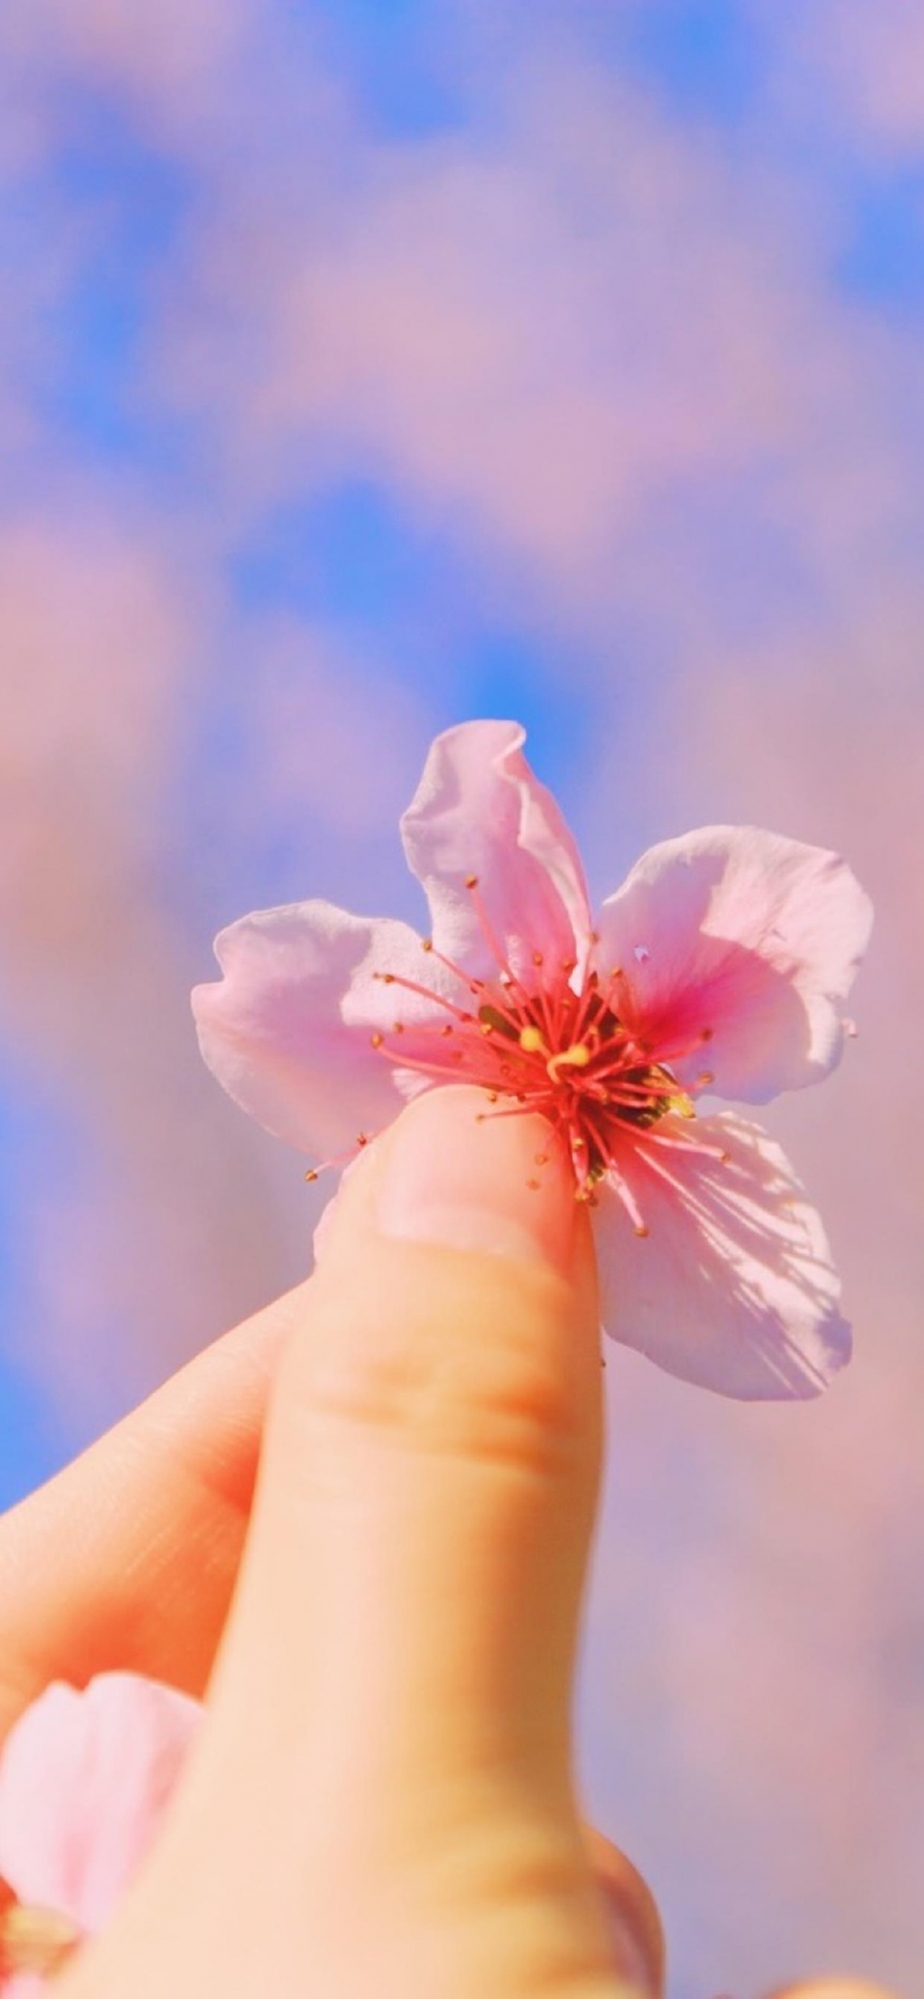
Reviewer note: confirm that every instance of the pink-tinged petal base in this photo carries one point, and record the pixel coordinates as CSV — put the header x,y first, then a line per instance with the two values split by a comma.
x,y
748,938
288,1030
479,812
733,1287
85,1778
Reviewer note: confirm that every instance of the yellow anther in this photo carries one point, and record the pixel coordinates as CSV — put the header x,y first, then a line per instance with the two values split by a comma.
x,y
570,1058
682,1104
531,1041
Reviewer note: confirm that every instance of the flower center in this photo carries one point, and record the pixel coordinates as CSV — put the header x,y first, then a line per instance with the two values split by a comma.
x,y
565,1053
570,1053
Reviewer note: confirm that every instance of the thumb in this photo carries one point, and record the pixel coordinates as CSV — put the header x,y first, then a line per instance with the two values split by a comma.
x,y
411,1594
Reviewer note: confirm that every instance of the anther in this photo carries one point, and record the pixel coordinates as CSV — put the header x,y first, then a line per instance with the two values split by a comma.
x,y
362,1139
377,1040
570,1058
471,881
538,958
533,1185
531,1041
426,943
640,1229
312,1173
541,1159
398,1027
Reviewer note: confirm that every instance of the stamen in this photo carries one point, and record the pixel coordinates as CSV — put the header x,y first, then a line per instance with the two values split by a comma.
x,y
424,992
364,1138
626,1196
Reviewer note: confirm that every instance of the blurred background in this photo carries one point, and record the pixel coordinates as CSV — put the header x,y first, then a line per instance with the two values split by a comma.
x,y
366,365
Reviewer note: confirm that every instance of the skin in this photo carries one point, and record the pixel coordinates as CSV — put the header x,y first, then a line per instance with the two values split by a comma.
x,y
383,1618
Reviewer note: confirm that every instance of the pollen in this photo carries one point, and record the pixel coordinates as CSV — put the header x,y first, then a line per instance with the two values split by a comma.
x,y
569,1058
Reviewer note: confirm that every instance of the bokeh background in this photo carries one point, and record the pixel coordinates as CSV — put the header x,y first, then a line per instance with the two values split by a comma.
x,y
370,364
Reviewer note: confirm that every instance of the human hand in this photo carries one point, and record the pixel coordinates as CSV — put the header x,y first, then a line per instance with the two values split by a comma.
x,y
382,1798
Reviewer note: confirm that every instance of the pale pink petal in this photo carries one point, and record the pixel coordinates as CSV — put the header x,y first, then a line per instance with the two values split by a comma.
x,y
288,1030
479,810
748,937
733,1287
84,1780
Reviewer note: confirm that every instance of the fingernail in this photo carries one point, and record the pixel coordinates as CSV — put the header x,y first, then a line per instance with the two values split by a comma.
x,y
458,1172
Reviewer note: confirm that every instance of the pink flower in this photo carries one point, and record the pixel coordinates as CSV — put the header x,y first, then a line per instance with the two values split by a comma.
x,y
721,965
84,1781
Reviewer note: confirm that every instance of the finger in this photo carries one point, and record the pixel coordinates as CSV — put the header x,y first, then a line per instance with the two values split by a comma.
x,y
635,1925
431,1467
127,1558
389,1729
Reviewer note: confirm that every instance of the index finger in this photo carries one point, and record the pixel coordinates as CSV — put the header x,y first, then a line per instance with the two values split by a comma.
x,y
127,1559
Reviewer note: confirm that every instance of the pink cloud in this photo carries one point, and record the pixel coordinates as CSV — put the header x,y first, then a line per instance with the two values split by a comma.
x,y
870,57
168,60
531,333
102,635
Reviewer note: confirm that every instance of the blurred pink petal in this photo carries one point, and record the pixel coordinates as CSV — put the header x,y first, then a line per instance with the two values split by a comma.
x,y
479,810
749,937
729,948
84,1780
733,1287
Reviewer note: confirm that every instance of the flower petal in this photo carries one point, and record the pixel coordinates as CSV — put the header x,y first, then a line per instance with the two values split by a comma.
x,y
288,1029
733,1287
84,1780
479,811
747,937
